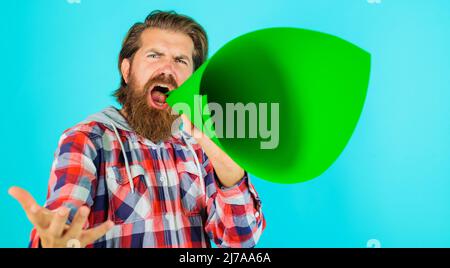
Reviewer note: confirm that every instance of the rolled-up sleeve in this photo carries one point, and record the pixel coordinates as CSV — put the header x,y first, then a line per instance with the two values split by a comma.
x,y
235,217
73,176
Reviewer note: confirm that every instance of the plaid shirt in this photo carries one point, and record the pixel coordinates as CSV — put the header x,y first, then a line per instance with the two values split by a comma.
x,y
167,204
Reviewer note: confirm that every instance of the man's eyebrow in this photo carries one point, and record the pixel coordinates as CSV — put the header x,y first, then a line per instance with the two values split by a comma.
x,y
154,51
183,57
157,52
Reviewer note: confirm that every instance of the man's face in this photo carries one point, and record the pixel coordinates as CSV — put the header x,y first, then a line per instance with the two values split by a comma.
x,y
164,57
162,63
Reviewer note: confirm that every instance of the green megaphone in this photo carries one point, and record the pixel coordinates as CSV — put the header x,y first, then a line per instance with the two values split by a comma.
x,y
299,93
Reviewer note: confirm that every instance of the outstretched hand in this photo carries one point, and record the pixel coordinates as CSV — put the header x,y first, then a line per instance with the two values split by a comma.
x,y
51,225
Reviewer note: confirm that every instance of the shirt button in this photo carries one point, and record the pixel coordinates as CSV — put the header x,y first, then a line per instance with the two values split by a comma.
x,y
256,214
162,179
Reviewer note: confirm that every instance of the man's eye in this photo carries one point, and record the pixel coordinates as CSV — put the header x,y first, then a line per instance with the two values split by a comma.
x,y
154,56
181,61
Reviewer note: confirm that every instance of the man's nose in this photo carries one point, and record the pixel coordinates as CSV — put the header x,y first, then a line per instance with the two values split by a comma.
x,y
167,69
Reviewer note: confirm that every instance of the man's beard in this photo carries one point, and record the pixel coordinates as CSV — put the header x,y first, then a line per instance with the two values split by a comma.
x,y
153,124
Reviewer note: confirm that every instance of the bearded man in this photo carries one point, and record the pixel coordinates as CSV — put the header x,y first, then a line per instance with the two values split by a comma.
x,y
133,177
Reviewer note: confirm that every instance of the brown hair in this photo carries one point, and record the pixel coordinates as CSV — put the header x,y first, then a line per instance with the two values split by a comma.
x,y
167,20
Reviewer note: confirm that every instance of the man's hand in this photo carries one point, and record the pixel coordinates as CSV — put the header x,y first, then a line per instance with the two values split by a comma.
x,y
190,129
228,172
51,225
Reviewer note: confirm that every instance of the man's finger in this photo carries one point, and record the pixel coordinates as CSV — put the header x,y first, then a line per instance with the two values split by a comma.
x,y
187,124
58,222
40,217
91,235
78,222
25,199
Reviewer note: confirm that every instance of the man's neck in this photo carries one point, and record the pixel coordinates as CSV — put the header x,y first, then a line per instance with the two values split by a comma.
x,y
123,113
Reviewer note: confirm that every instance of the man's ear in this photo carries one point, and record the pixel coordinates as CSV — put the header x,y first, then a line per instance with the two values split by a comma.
x,y
125,69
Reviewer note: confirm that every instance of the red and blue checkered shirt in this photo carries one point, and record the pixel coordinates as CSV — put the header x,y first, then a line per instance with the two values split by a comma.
x,y
166,204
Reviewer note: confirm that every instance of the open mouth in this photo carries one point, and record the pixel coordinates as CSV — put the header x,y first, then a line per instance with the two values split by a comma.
x,y
157,96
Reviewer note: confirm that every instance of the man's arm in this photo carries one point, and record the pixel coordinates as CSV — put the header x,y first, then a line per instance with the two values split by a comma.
x,y
70,195
235,216
228,172
233,206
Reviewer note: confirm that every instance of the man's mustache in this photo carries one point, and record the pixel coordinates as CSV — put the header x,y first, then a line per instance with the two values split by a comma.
x,y
163,79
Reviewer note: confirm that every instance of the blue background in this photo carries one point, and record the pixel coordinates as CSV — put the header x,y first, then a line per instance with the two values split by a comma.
x,y
392,181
